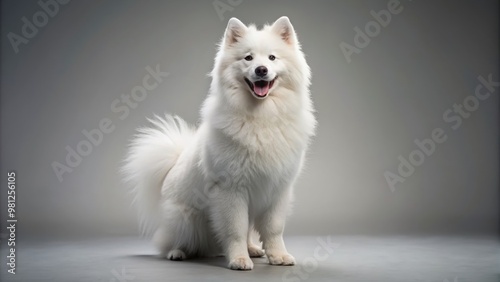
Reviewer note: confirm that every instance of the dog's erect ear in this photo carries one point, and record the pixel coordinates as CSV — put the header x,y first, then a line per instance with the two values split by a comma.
x,y
234,31
283,27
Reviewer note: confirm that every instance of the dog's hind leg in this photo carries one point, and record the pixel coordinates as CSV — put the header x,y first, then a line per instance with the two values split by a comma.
x,y
175,238
254,250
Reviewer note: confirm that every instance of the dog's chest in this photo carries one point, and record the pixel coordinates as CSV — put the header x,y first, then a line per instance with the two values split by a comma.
x,y
269,140
257,152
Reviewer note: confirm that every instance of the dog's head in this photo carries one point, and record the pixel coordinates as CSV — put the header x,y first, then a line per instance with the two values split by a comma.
x,y
258,63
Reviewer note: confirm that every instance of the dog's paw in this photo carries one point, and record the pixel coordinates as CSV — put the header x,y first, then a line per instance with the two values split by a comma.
x,y
176,255
255,252
241,263
281,259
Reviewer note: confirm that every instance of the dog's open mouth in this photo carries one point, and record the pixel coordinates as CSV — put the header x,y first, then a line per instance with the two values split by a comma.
x,y
260,88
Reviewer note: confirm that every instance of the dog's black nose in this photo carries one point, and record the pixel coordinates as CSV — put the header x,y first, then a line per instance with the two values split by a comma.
x,y
261,71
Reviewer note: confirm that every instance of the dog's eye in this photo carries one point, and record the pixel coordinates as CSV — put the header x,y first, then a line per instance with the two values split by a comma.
x,y
249,58
272,57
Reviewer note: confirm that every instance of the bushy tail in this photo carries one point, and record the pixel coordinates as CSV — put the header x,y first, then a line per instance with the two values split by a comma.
x,y
151,155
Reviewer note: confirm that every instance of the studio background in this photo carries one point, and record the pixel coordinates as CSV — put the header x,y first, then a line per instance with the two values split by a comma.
x,y
66,78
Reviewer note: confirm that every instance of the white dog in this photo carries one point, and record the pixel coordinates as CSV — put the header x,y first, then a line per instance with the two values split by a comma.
x,y
205,190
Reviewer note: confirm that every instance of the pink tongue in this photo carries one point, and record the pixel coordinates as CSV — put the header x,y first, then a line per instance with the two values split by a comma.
x,y
261,90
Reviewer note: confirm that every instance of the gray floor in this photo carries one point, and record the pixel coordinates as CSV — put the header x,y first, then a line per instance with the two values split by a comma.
x,y
341,258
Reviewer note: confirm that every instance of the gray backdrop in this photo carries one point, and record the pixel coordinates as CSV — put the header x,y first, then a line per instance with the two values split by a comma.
x,y
371,106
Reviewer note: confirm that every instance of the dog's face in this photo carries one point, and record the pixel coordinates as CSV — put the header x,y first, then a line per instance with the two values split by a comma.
x,y
261,61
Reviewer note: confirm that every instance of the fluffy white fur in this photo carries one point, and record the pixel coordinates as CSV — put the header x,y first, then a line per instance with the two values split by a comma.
x,y
205,191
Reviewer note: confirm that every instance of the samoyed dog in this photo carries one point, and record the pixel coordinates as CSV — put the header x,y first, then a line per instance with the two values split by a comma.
x,y
205,191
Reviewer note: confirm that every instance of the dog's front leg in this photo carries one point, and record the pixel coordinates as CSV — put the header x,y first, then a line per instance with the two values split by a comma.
x,y
230,221
271,226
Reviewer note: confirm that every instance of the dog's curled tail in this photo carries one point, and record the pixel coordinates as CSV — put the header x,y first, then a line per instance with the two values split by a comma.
x,y
152,153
